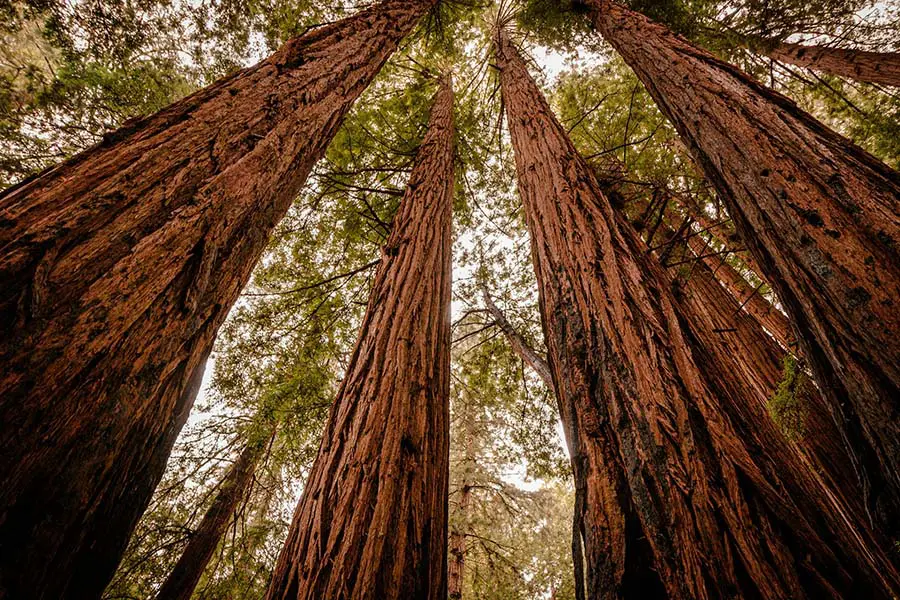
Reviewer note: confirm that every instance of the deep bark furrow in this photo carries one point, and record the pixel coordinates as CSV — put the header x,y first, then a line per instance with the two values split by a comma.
x,y
821,218
691,492
117,268
372,522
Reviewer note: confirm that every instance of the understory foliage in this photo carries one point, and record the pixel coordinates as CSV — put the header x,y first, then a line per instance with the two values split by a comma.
x,y
71,72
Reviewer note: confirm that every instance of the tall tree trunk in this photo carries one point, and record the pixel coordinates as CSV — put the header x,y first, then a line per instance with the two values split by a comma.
x,y
185,576
116,269
691,492
737,343
460,530
820,216
541,367
372,523
872,67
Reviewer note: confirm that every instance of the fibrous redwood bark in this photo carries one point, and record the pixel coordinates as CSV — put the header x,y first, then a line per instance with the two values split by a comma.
x,y
690,490
185,576
821,218
748,297
117,268
372,523
738,346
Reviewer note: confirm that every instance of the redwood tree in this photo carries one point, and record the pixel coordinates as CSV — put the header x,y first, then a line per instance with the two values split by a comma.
x,y
184,577
372,522
821,218
116,269
691,492
872,67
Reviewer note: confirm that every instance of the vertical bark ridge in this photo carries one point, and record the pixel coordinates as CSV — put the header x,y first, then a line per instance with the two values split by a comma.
x,y
372,523
117,268
184,577
820,216
691,492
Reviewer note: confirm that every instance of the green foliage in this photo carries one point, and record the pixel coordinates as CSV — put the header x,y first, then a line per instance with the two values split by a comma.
x,y
789,405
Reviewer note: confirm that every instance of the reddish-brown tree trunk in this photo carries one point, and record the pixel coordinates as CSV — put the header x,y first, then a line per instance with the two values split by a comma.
x,y
117,268
372,523
737,344
820,216
748,297
691,492
460,529
871,67
185,576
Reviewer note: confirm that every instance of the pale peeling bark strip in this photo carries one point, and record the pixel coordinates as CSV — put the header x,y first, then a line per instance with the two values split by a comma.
x,y
821,218
372,522
116,270
691,492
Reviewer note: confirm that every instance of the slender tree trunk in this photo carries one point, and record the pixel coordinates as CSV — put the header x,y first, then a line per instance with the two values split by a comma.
x,y
372,523
521,347
460,530
872,67
541,367
117,268
457,567
185,576
820,216
691,492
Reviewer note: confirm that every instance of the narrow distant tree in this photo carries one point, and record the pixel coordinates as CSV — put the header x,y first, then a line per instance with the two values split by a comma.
x,y
372,522
184,577
691,492
872,67
116,269
459,531
821,218
539,365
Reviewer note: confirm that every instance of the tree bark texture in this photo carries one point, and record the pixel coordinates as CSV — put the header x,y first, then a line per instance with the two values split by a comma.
x,y
730,318
117,268
183,580
821,218
749,299
372,523
690,489
871,67
738,346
